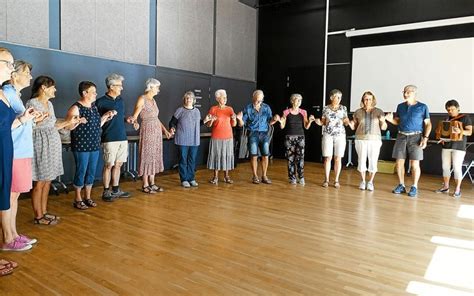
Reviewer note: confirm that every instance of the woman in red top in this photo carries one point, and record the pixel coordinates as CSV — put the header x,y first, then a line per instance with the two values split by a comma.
x,y
221,149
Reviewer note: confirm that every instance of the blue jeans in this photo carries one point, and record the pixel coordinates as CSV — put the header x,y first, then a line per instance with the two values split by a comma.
x,y
187,162
86,165
259,140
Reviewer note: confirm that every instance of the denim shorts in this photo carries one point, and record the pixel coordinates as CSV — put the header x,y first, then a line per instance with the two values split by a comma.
x,y
259,140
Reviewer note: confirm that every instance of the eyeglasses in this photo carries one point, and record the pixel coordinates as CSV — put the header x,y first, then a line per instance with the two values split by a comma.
x,y
9,64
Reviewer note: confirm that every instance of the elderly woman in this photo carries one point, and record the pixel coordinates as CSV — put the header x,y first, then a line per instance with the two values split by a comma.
x,y
85,142
151,138
368,122
292,122
221,148
22,137
8,120
47,160
453,152
185,124
334,135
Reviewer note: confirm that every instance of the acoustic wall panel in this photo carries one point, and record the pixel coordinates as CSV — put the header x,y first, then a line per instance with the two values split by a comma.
x,y
3,19
27,22
114,29
185,32
236,40
78,25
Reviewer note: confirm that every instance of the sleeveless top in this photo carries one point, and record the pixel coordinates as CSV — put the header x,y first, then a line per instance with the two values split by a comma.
x,y
294,123
86,137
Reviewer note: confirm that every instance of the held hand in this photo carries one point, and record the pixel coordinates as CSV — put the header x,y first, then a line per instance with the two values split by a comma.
x,y
130,120
240,115
276,117
382,118
208,118
311,118
136,126
456,130
389,116
167,134
82,120
74,120
346,121
172,131
233,116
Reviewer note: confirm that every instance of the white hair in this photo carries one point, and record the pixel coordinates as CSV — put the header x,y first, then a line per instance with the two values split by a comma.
x,y
295,97
151,82
112,79
220,93
257,92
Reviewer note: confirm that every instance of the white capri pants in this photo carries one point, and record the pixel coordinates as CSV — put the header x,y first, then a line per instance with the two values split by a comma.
x,y
456,157
331,144
368,149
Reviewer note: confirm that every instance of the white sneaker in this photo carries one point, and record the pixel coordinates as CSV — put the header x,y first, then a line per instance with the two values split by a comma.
x,y
370,186
194,183
301,181
362,185
185,184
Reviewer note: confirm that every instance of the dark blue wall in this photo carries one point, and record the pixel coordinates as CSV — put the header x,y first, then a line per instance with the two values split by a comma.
x,y
69,69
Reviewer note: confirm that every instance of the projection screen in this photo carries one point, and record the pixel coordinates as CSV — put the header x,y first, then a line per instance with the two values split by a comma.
x,y
441,70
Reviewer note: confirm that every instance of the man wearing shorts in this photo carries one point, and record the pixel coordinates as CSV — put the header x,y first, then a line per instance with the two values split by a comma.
x,y
414,127
257,118
114,137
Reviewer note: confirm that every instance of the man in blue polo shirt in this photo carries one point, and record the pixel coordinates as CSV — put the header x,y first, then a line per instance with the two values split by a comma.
x,y
114,137
414,127
257,118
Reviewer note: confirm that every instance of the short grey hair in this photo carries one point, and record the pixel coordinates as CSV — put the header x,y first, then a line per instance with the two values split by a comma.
x,y
257,92
20,66
151,82
220,93
335,92
413,87
112,79
189,94
295,97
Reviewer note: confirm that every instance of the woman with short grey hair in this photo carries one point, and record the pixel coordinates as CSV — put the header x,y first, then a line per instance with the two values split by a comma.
x,y
151,136
221,118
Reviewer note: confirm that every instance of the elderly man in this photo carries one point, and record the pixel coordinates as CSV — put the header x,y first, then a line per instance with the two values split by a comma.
x,y
257,118
414,127
114,137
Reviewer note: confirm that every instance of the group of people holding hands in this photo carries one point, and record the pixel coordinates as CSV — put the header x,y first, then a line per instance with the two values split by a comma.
x,y
31,147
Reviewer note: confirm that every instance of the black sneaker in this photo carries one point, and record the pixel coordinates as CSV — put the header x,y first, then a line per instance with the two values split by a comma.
x,y
121,194
108,196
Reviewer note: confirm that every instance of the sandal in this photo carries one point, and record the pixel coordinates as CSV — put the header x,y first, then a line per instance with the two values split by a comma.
x,y
325,184
337,185
228,180
156,188
45,221
214,180
148,190
90,203
51,216
79,204
255,180
8,263
6,270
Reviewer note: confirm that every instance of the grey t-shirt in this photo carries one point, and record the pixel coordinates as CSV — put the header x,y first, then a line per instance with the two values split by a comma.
x,y
188,127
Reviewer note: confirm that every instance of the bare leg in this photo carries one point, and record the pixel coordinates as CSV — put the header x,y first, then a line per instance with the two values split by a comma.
x,y
88,191
14,210
253,164
116,173
337,167
446,182
106,174
151,179
45,196
36,199
362,175
416,171
264,166
371,177
400,163
458,185
327,168
77,193
145,181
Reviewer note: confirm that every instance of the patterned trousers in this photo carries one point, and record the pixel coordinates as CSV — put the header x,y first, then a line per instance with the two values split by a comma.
x,y
295,154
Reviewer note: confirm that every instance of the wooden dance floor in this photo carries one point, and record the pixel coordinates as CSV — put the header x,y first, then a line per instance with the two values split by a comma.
x,y
246,239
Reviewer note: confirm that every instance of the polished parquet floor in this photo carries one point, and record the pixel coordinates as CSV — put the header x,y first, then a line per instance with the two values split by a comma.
x,y
246,239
